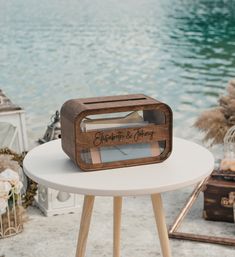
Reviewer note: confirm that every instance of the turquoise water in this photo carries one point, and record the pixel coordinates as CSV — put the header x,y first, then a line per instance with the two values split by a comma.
x,y
180,52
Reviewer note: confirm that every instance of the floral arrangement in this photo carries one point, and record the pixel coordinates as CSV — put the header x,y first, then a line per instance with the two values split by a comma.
x,y
216,121
11,211
10,186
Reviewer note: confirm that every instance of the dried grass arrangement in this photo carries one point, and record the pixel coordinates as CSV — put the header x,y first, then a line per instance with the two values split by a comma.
x,y
216,122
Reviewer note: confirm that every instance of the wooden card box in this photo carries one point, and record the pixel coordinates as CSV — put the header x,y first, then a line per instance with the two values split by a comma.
x,y
116,131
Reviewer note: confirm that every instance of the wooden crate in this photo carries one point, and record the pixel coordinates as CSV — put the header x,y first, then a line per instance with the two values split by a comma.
x,y
219,198
95,131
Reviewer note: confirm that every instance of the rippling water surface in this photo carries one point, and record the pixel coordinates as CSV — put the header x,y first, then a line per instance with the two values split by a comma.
x,y
178,51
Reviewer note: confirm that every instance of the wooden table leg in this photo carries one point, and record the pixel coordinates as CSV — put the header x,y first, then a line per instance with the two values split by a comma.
x,y
117,212
161,224
84,225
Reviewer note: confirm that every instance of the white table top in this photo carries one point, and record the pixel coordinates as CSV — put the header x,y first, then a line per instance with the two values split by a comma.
x,y
188,164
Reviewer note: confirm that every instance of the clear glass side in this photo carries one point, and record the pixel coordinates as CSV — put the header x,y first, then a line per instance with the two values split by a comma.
x,y
107,126
122,152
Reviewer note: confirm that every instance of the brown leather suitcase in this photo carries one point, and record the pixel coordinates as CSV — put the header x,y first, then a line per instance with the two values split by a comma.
x,y
219,197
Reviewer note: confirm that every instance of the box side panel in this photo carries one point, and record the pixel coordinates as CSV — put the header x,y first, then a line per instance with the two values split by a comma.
x,y
68,137
162,114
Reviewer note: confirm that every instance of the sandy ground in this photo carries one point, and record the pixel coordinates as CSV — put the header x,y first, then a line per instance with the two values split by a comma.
x,y
56,236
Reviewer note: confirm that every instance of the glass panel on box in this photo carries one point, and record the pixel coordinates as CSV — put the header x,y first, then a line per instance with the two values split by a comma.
x,y
123,136
130,152
122,152
123,119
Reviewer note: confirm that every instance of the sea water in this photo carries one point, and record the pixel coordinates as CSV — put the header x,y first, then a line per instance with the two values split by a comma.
x,y
180,52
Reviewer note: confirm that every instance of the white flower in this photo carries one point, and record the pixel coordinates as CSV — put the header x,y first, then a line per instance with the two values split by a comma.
x,y
5,188
18,187
10,176
3,206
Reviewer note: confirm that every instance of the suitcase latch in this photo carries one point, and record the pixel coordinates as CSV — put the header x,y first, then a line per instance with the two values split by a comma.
x,y
228,202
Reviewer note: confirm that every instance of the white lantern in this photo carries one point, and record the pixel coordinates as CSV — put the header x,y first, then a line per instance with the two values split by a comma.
x,y
229,144
228,163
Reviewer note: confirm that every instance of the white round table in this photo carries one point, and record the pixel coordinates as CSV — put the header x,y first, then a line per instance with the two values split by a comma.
x,y
188,164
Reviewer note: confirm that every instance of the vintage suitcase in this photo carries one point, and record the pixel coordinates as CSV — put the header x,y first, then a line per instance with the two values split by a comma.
x,y
219,197
116,131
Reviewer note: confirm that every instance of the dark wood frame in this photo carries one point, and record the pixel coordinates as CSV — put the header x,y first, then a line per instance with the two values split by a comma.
x,y
174,233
